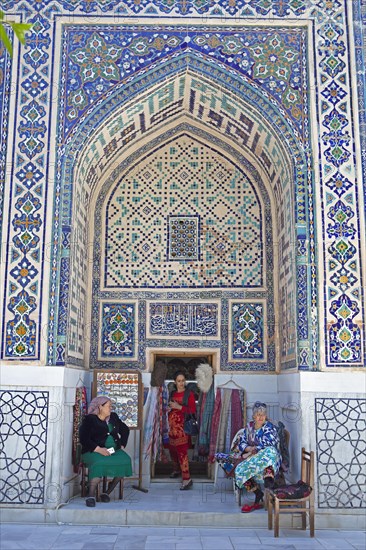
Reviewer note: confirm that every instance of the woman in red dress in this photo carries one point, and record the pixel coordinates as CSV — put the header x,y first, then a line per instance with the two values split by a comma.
x,y
179,441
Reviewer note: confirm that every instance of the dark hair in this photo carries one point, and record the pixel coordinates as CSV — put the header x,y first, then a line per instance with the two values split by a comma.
x,y
178,373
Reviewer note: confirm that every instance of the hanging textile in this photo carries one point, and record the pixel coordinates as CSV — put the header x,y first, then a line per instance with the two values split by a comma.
x,y
223,427
228,417
215,425
151,406
237,417
79,411
165,422
205,413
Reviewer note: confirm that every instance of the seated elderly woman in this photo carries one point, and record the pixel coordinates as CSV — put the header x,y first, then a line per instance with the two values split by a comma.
x,y
103,436
259,445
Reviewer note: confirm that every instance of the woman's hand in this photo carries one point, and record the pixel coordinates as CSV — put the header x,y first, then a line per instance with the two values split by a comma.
x,y
250,449
102,451
174,405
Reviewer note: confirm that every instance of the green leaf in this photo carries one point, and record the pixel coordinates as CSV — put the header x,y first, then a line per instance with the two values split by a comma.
x,y
5,40
20,29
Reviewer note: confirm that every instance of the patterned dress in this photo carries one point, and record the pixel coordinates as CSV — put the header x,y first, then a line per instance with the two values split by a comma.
x,y
179,441
267,455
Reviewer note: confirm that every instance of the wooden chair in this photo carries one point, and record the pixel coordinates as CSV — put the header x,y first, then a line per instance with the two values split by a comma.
x,y
84,484
291,506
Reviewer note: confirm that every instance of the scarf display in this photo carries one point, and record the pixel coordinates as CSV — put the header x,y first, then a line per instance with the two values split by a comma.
x,y
228,417
79,411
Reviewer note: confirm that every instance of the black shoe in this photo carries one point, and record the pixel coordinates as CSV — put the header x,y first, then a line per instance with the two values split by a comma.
x,y
90,502
187,486
258,496
269,483
104,497
173,475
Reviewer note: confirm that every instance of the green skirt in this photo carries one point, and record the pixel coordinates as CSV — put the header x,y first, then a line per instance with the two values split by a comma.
x,y
115,465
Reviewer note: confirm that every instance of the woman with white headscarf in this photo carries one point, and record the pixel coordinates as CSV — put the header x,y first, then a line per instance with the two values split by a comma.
x,y
259,445
103,437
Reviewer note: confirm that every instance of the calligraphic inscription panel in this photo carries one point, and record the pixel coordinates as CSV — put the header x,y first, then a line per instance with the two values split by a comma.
x,y
123,390
168,319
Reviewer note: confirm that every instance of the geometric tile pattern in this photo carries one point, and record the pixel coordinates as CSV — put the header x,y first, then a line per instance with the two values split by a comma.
x,y
341,456
247,331
183,319
24,418
183,238
182,179
259,61
193,320
118,325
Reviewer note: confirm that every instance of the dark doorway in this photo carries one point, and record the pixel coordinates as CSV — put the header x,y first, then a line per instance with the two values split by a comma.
x,y
198,466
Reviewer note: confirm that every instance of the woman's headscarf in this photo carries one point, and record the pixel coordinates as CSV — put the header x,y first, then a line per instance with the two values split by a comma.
x,y
96,403
259,407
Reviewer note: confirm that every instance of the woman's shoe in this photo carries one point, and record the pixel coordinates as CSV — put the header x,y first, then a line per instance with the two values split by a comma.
x,y
186,486
173,475
104,497
247,508
90,502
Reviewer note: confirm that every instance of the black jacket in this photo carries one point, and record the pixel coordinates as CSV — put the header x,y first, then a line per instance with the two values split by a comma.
x,y
94,432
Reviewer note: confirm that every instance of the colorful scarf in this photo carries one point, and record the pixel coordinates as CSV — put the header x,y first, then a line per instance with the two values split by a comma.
x,y
151,406
237,421
215,423
79,411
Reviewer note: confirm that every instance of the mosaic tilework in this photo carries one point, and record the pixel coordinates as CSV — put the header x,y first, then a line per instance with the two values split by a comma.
x,y
340,449
146,341
201,106
336,160
183,236
248,129
247,326
184,177
270,56
24,417
118,322
183,319
5,72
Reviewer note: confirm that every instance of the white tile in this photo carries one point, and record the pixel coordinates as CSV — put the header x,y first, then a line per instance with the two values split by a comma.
x,y
216,543
335,543
130,543
242,543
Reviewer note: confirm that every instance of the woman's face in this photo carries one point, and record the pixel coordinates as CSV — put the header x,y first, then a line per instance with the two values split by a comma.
x,y
259,418
180,382
106,409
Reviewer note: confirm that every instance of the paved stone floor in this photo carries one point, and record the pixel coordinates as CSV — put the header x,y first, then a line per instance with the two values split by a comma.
x,y
83,537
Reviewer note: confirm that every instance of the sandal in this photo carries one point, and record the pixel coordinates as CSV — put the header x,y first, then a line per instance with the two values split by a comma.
x,y
173,475
186,486
90,502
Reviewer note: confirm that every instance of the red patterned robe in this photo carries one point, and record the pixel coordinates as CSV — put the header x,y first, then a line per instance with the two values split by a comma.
x,y
179,441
